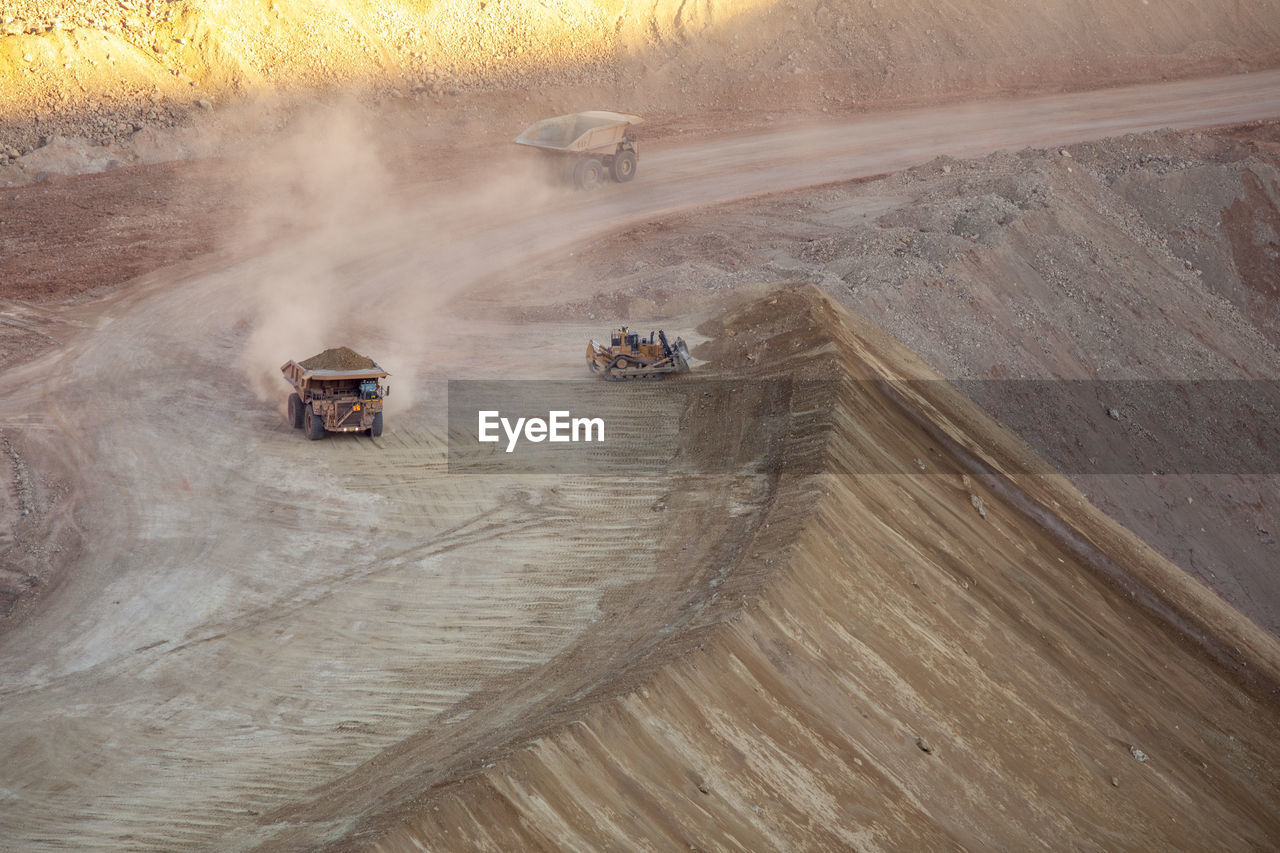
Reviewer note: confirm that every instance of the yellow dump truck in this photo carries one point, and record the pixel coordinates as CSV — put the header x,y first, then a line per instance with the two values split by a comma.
x,y
338,390
582,148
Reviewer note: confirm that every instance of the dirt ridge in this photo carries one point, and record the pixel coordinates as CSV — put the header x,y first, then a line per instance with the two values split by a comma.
x,y
893,680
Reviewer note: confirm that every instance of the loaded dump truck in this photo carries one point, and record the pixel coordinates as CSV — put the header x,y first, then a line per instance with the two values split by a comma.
x,y
338,390
582,148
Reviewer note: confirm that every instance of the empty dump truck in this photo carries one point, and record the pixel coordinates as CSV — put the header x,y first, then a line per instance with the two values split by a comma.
x,y
338,390
582,148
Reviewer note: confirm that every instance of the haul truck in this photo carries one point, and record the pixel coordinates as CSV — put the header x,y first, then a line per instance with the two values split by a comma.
x,y
336,400
582,148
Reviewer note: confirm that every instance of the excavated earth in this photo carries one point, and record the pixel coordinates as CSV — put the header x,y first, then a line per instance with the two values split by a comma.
x,y
811,597
339,358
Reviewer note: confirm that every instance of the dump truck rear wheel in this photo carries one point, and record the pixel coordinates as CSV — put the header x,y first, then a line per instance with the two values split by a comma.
x,y
376,429
295,411
623,167
315,424
587,173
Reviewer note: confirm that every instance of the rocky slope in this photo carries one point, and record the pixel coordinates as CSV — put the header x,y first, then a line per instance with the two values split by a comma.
x,y
104,70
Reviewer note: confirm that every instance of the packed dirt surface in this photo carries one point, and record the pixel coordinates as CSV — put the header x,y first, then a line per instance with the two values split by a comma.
x,y
951,639
1001,268
215,634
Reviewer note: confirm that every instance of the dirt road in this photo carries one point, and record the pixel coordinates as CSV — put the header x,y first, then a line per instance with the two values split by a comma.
x,y
239,618
521,223
884,143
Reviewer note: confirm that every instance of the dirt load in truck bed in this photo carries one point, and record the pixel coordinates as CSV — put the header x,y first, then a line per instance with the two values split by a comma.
x,y
339,358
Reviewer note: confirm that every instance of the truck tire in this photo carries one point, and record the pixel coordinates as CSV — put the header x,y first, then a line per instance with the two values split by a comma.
x,y
295,411
315,424
623,167
587,173
376,429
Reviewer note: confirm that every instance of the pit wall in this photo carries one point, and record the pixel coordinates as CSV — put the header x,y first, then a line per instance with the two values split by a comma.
x,y
97,69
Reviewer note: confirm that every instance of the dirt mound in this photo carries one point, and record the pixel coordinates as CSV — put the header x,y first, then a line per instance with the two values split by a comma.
x,y
952,657
339,358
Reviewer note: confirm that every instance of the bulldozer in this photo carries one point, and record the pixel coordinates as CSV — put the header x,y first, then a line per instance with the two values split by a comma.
x,y
632,356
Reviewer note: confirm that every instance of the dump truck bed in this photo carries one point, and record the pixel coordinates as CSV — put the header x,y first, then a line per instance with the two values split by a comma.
x,y
595,130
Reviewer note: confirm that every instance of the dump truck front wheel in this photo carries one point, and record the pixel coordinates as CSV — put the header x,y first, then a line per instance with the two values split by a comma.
x,y
587,173
376,429
295,411
623,167
315,424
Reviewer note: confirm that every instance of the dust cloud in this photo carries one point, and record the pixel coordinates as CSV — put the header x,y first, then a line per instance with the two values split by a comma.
x,y
348,256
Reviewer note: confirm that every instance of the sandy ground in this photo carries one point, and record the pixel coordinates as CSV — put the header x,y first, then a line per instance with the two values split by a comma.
x,y
243,638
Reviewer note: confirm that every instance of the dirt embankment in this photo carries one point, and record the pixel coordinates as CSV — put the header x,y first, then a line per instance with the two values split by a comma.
x,y
939,657
111,72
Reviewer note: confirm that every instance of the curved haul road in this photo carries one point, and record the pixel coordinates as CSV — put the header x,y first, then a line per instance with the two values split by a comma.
x,y
249,616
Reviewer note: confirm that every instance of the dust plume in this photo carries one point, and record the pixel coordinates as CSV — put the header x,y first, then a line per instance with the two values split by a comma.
x,y
347,256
